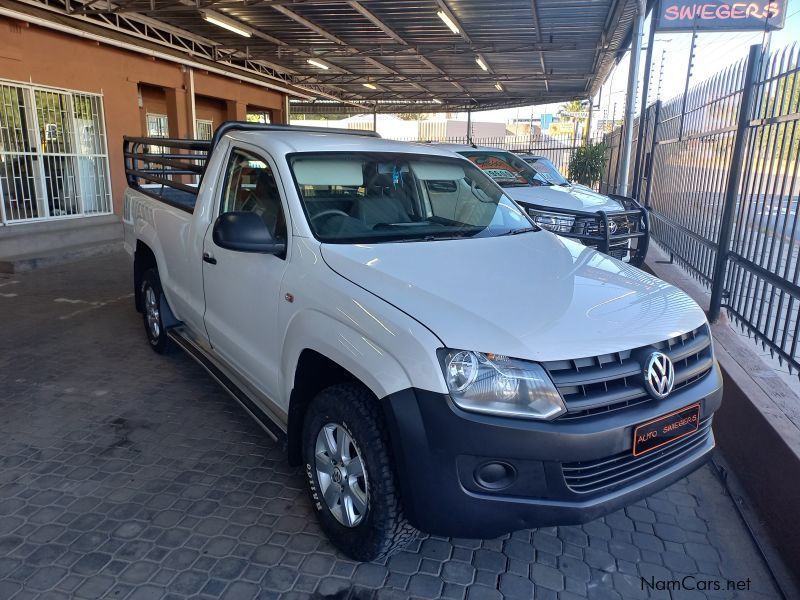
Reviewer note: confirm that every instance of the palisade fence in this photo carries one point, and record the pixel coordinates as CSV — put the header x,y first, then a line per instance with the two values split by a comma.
x,y
718,173
557,148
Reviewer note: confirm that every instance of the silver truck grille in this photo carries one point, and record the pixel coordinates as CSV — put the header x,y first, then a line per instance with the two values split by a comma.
x,y
601,384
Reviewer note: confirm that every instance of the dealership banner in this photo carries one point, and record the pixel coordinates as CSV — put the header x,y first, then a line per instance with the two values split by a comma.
x,y
721,15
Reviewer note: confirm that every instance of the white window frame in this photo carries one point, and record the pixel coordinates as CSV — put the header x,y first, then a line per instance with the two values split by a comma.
x,y
101,154
200,124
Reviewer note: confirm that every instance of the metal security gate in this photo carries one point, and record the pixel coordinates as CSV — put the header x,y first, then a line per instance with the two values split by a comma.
x,y
720,178
53,154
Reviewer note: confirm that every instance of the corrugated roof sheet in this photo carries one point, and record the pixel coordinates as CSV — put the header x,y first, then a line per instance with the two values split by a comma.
x,y
536,50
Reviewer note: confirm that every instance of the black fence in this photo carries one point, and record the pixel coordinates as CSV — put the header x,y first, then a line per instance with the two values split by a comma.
x,y
557,148
718,173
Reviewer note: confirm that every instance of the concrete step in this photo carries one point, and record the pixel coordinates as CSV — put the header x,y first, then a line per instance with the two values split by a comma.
x,y
49,237
48,258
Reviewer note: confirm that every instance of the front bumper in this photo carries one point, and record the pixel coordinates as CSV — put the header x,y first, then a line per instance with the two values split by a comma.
x,y
439,448
625,234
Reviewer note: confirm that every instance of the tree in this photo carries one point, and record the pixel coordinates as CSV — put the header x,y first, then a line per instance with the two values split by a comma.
x,y
569,110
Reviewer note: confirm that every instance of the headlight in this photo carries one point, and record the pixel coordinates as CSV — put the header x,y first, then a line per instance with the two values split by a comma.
x,y
498,385
554,222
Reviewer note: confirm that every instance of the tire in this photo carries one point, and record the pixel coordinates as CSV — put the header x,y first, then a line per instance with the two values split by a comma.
x,y
151,295
368,521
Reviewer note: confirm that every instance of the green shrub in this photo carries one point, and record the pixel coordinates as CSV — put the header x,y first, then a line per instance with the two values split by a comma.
x,y
586,165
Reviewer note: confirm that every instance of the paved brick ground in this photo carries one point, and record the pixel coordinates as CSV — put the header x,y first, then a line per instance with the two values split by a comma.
x,y
127,475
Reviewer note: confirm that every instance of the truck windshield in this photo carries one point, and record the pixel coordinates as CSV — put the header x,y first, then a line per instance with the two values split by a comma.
x,y
546,169
373,197
507,169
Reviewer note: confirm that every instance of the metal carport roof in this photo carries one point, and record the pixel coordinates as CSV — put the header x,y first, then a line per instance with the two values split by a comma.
x,y
534,51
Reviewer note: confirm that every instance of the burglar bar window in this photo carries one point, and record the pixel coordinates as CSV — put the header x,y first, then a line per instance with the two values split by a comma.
x,y
158,127
53,154
204,129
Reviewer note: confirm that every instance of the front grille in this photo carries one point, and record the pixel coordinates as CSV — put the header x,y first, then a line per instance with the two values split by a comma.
x,y
601,384
624,225
614,471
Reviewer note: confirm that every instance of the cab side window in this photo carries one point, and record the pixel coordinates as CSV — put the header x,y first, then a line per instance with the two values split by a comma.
x,y
250,186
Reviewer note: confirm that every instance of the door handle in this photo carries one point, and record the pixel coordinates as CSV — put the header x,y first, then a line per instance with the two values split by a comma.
x,y
209,258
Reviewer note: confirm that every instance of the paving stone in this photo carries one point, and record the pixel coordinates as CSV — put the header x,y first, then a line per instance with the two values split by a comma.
x,y
240,590
679,562
573,568
45,578
624,551
139,572
458,572
518,550
425,586
370,575
489,560
279,578
547,577
160,487
95,587
188,582
483,592
514,586
547,543
599,559
702,552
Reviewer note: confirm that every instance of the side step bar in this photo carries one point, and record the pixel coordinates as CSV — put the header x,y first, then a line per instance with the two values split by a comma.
x,y
262,418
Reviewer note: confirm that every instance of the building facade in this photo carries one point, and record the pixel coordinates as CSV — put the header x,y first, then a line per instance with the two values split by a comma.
x,y
65,104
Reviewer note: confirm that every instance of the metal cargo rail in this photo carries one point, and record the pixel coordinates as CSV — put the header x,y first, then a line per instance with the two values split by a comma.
x,y
170,169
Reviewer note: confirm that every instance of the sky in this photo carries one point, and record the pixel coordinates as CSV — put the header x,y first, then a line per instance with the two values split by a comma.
x,y
714,51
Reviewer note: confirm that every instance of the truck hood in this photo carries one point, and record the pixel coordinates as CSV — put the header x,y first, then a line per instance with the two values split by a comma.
x,y
572,197
532,296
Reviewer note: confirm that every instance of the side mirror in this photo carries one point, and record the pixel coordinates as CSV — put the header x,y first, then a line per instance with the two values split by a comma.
x,y
245,232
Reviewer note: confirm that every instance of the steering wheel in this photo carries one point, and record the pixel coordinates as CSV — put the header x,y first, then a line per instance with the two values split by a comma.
x,y
330,211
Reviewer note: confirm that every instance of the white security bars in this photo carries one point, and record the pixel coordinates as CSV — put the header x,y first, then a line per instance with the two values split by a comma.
x,y
53,154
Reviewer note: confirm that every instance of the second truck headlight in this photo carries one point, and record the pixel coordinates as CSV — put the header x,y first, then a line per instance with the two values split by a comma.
x,y
498,385
555,222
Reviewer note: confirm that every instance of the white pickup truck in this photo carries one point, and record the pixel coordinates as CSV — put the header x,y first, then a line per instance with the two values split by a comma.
x,y
431,357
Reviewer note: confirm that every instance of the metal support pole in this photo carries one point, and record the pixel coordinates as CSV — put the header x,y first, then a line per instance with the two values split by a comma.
x,y
648,63
375,120
587,133
469,126
733,183
688,79
630,100
648,167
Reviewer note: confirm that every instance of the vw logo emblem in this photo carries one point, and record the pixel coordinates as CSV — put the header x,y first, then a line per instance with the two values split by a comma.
x,y
659,375
337,475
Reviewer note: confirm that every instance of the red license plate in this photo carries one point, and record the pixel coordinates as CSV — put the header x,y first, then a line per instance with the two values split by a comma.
x,y
666,429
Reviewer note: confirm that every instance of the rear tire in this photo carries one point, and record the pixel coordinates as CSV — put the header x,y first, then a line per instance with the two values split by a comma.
x,y
350,474
151,296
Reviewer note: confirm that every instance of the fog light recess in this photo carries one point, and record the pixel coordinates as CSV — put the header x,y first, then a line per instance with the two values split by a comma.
x,y
495,475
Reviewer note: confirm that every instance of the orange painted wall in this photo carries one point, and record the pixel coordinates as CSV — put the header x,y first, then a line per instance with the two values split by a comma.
x,y
30,54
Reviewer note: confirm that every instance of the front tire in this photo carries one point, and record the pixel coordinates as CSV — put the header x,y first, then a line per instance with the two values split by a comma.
x,y
151,295
350,474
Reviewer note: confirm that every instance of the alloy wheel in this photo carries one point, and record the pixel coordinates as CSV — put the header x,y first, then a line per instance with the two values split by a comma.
x,y
152,312
341,474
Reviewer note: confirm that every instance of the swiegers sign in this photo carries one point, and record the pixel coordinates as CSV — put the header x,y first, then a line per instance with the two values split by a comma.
x,y
721,15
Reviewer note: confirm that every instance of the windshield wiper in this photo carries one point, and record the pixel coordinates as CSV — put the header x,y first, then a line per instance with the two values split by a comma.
x,y
431,238
521,230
